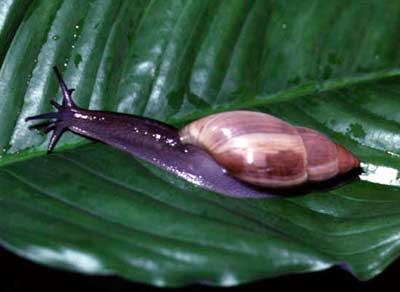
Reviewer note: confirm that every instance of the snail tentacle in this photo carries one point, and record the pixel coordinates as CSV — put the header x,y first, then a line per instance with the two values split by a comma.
x,y
61,117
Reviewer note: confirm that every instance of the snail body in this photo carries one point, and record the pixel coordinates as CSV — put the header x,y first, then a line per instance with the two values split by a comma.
x,y
231,153
266,151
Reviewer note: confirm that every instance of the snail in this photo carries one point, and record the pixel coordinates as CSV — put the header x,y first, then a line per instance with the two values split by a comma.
x,y
236,153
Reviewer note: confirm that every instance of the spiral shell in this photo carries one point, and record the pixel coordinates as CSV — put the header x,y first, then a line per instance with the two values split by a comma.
x,y
263,150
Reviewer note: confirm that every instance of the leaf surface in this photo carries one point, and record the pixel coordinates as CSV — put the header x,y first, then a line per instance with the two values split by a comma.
x,y
330,66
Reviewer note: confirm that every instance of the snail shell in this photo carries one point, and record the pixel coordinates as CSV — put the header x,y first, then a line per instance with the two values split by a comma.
x,y
263,150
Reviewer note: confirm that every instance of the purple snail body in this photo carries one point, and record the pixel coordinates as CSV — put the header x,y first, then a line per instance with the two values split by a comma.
x,y
232,153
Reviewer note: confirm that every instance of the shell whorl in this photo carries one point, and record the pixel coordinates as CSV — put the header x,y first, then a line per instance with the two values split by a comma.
x,y
263,150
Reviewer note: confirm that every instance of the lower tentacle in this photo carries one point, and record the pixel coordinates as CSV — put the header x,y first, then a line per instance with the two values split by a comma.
x,y
49,127
57,133
56,104
46,116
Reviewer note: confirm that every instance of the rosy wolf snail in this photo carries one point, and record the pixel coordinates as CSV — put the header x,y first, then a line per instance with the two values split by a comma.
x,y
233,153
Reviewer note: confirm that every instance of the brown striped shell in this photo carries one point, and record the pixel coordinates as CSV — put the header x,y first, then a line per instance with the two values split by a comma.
x,y
263,150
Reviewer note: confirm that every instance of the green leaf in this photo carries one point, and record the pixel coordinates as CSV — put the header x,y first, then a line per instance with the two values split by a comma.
x,y
329,65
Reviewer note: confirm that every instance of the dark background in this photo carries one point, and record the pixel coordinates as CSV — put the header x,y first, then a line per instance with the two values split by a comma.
x,y
18,274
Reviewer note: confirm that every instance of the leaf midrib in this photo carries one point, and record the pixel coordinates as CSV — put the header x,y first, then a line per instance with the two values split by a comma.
x,y
307,89
278,97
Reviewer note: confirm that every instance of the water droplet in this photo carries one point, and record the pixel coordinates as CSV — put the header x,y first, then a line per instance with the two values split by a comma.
x,y
56,37
76,26
77,60
73,46
28,80
35,60
284,25
332,122
75,35
356,130
66,62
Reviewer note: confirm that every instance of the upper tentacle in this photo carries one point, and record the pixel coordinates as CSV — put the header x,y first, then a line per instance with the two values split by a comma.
x,y
67,92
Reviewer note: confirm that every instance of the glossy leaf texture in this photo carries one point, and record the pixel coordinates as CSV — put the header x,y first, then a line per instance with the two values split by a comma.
x,y
329,65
